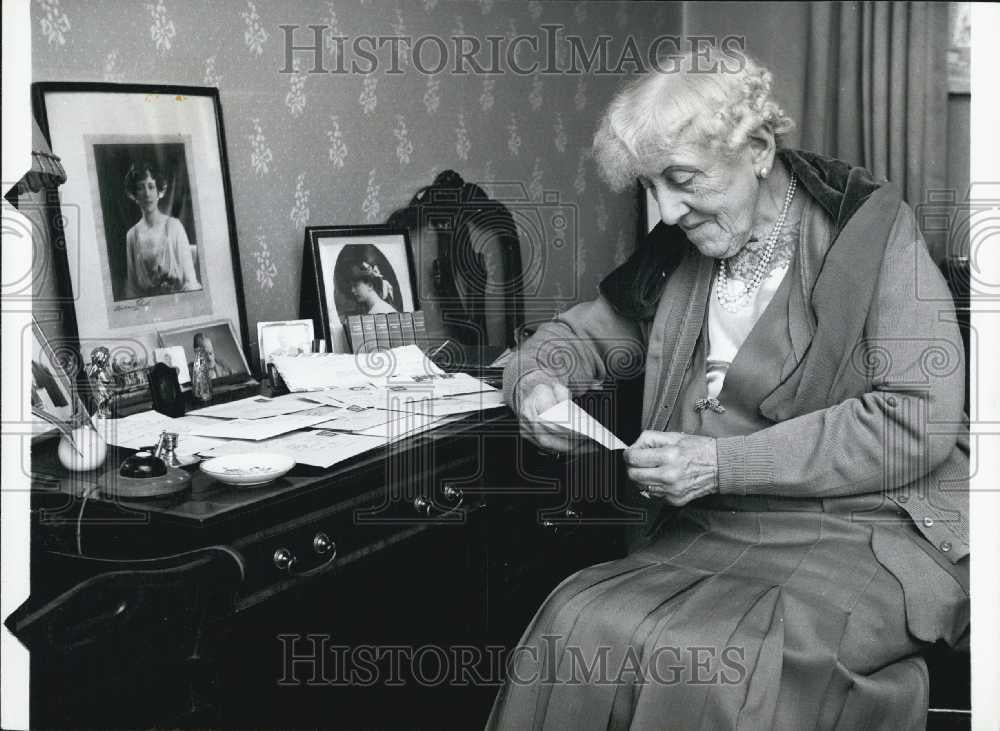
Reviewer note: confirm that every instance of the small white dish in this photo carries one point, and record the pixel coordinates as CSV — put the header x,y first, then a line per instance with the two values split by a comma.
x,y
248,469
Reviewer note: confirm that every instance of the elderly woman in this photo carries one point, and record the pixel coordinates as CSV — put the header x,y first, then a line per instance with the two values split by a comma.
x,y
804,461
158,255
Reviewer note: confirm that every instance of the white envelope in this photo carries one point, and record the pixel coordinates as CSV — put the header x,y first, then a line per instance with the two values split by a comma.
x,y
567,415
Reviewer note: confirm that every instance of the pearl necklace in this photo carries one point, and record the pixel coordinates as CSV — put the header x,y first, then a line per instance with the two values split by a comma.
x,y
734,303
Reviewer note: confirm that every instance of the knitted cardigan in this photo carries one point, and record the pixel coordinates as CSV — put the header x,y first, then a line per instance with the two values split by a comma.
x,y
877,359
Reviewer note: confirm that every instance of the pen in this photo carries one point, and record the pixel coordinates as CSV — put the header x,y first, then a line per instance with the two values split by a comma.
x,y
438,348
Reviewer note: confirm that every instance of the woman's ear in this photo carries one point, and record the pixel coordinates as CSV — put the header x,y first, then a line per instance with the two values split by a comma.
x,y
762,148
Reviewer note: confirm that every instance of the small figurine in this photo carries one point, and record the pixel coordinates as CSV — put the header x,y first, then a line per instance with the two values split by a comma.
x,y
201,375
99,375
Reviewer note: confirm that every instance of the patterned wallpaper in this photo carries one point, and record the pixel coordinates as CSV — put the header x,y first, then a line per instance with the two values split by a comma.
x,y
314,149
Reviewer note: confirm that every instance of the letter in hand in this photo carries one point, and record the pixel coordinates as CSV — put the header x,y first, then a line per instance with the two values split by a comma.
x,y
537,399
674,466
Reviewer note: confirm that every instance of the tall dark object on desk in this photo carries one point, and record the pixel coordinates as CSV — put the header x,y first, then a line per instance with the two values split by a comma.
x,y
469,269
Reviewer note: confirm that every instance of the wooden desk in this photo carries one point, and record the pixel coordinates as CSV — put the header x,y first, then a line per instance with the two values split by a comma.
x,y
363,505
471,574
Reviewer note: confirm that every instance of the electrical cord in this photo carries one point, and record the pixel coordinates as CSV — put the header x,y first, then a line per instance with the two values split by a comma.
x,y
79,518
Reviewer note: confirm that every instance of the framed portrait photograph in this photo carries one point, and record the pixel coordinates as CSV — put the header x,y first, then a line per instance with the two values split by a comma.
x,y
154,244
227,364
356,270
286,337
51,393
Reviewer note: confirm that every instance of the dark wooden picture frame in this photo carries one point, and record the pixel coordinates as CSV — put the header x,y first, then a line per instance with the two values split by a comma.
x,y
204,190
319,300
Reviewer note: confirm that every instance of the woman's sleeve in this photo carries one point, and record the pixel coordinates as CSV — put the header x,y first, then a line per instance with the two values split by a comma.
x,y
182,246
900,430
132,290
581,347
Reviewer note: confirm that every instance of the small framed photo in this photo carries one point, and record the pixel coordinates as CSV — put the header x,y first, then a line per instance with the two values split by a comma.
x,y
286,337
175,357
227,362
52,396
356,270
154,240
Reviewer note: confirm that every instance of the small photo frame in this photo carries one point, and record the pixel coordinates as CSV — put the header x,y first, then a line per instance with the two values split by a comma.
x,y
175,357
356,270
51,391
229,363
285,337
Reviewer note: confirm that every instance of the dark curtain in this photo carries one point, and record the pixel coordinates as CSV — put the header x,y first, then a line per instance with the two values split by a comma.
x,y
876,91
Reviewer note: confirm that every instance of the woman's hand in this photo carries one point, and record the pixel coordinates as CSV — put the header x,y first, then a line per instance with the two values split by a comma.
x,y
537,397
674,466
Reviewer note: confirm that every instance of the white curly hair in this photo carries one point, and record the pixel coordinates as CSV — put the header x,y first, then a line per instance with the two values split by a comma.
x,y
720,99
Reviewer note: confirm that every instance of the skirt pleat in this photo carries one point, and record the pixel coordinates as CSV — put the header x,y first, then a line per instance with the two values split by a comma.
x,y
729,619
601,636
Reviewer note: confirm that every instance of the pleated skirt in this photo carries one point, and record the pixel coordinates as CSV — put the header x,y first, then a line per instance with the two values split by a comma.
x,y
743,613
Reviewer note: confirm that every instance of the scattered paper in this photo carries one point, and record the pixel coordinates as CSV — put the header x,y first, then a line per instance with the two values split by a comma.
x,y
378,397
257,407
317,448
324,371
401,424
412,425
459,405
143,430
356,420
258,429
567,415
438,386
367,397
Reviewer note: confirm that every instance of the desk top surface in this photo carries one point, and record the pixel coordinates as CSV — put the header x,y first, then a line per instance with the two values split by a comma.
x,y
208,500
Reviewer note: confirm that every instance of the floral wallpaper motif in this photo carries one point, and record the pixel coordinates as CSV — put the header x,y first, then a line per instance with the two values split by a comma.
x,y
53,23
310,148
162,30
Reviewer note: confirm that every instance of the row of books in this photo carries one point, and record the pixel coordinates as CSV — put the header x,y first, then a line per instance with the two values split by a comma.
x,y
368,333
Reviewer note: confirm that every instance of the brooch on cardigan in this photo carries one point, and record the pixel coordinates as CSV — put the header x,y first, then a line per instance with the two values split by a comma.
x,y
709,403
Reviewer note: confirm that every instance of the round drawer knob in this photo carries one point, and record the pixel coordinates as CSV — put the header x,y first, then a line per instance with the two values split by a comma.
x,y
453,493
322,544
422,505
283,559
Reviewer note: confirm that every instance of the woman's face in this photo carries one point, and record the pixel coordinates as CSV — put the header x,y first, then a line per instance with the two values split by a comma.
x,y
147,195
712,197
362,291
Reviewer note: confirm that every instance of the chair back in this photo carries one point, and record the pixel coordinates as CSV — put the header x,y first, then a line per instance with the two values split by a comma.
x,y
115,636
468,256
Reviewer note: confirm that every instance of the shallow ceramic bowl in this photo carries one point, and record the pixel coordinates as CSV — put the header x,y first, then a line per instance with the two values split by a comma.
x,y
246,470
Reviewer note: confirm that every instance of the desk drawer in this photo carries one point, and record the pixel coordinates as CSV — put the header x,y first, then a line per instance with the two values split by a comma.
x,y
317,543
